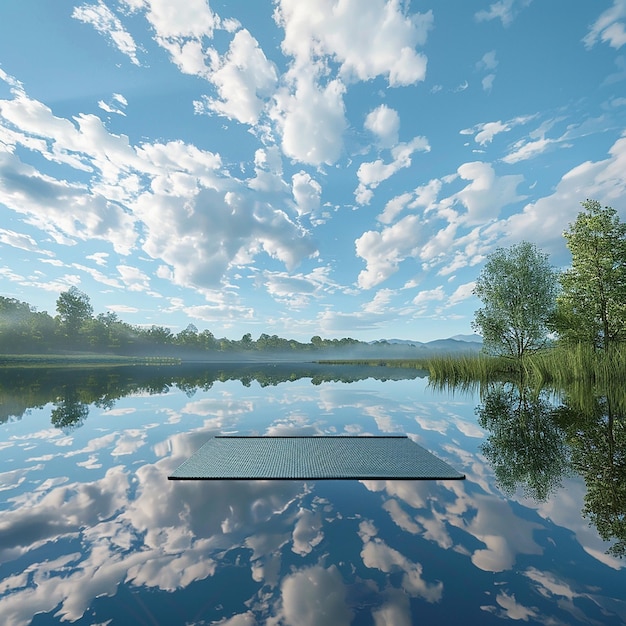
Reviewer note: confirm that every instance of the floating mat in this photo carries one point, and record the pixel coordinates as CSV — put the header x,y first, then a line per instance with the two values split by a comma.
x,y
305,458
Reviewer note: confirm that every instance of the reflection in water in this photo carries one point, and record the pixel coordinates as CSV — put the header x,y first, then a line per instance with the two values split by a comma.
x,y
533,444
525,445
72,390
596,431
92,532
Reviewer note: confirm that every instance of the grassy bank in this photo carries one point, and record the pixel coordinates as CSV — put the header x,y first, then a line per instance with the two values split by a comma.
x,y
555,366
80,360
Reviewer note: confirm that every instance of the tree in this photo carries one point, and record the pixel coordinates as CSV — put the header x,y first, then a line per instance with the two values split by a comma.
x,y
74,310
592,305
518,288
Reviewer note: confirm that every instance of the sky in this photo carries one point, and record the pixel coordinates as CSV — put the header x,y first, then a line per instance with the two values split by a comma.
x,y
332,167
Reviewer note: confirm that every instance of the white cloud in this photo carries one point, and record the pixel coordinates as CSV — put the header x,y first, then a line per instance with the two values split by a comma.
x,y
134,278
384,123
100,258
523,150
19,240
122,308
306,193
63,210
488,61
296,290
380,303
193,18
394,207
193,216
487,82
311,118
367,39
504,10
487,193
307,532
609,27
116,104
97,275
429,295
486,131
107,23
244,79
461,293
383,251
543,221
372,173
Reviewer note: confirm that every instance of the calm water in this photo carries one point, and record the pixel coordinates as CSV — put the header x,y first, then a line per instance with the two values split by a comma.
x,y
92,532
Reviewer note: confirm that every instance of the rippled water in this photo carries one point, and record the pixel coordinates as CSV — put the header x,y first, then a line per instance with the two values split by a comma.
x,y
92,532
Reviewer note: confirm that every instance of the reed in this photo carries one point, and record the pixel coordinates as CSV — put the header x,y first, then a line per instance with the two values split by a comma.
x,y
556,366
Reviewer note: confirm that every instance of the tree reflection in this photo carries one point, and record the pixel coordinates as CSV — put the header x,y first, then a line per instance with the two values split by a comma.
x,y
70,412
532,444
596,430
526,446
24,388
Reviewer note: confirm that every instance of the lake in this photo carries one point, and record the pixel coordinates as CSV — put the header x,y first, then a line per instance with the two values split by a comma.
x,y
93,532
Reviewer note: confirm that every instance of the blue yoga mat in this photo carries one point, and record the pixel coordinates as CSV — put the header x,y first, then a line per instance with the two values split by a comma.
x,y
307,458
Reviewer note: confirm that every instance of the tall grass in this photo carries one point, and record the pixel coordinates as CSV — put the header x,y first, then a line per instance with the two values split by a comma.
x,y
557,366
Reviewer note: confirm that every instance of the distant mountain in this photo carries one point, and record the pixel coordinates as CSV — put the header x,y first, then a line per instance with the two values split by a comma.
x,y
474,338
410,342
408,348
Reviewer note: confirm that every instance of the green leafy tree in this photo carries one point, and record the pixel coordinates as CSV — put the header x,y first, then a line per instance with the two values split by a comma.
x,y
518,288
591,307
74,311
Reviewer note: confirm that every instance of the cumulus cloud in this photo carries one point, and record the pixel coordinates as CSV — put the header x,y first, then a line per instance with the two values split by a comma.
x,y
307,532
462,292
244,79
383,251
311,118
371,174
543,221
487,193
609,27
195,218
428,295
296,290
384,123
367,40
108,24
306,193
63,210
194,18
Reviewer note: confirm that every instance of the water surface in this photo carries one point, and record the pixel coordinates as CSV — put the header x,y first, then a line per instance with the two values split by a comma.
x,y
92,532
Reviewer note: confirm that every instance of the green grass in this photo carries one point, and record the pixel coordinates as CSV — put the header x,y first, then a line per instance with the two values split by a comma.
x,y
556,366
74,360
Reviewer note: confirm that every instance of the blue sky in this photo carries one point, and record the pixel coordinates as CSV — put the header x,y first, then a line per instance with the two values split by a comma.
x,y
326,167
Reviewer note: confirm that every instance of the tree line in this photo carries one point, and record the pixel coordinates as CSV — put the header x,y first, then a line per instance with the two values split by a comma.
x,y
528,304
75,328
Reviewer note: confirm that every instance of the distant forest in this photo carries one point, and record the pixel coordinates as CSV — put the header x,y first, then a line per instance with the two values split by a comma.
x,y
75,328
